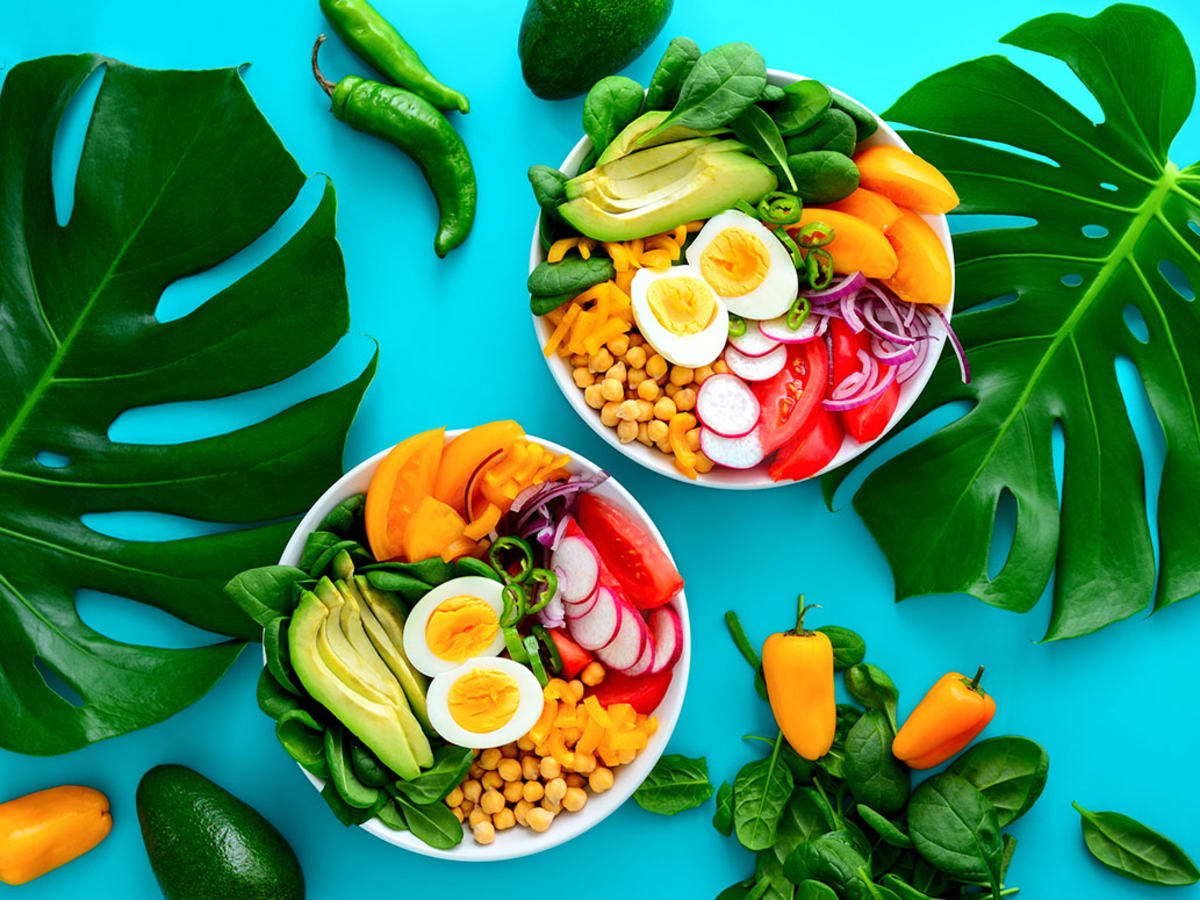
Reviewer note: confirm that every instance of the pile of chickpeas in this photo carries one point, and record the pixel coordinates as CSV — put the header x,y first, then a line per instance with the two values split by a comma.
x,y
638,392
511,785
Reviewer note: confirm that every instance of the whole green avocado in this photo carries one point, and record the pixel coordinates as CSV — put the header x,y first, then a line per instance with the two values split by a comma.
x,y
206,844
566,46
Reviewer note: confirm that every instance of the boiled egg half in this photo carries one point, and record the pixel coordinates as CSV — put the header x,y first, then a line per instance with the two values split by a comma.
x,y
679,315
745,264
485,702
456,621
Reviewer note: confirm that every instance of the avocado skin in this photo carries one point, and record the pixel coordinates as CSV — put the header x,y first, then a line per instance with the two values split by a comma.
x,y
206,844
566,46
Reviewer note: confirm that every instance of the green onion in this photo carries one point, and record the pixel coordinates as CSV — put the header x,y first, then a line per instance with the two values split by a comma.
x,y
737,325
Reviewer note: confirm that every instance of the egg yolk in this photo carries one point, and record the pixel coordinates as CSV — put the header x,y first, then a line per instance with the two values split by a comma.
x,y
483,700
682,305
461,627
735,262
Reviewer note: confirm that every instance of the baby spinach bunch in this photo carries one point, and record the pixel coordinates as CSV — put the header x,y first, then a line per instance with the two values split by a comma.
x,y
358,786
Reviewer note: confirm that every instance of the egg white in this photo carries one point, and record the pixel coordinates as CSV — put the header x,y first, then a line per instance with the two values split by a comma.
x,y
781,284
415,646
529,707
691,350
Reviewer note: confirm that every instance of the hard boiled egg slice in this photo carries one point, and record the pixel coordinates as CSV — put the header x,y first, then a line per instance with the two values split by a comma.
x,y
484,703
454,622
679,315
745,265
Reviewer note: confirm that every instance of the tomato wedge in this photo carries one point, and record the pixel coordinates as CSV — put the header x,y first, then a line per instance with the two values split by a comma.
x,y
867,422
643,693
789,398
811,450
641,567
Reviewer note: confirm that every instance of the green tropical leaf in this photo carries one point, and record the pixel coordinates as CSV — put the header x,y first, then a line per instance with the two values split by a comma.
x,y
1113,216
179,171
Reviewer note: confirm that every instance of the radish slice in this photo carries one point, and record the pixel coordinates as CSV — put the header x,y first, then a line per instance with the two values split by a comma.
x,y
578,610
756,368
727,406
626,646
752,341
743,452
777,329
666,631
646,661
579,564
600,624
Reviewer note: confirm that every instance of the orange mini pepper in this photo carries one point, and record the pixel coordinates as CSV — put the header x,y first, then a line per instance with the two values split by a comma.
x,y
949,717
798,670
44,830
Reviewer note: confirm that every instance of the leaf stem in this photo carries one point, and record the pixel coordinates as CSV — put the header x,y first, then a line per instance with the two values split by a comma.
x,y
326,85
975,681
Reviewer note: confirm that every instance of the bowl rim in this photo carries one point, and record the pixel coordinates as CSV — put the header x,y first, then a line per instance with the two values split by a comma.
x,y
757,477
628,777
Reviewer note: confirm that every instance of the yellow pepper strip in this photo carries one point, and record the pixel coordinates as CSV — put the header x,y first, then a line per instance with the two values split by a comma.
x,y
557,689
590,739
585,247
559,750
620,256
559,249
694,226
624,280
484,523
657,259
629,740
677,429
560,330
597,712
681,233
541,729
636,248
461,546
529,465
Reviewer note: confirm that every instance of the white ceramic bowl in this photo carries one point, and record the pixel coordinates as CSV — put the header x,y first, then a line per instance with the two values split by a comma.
x,y
521,841
719,477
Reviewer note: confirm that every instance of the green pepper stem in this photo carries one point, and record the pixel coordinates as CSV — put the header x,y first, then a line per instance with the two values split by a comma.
x,y
802,611
326,85
976,679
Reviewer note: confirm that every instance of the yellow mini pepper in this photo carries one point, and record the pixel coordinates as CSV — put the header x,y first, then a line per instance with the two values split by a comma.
x,y
949,717
44,830
798,670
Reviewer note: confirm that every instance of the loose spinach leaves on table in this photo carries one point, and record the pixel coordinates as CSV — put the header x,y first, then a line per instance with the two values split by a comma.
x,y
760,793
871,686
676,783
1010,771
955,828
875,777
1131,849
848,646
719,88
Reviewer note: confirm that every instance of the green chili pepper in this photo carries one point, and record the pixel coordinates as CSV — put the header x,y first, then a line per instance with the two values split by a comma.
x,y
798,312
779,208
373,38
514,645
535,660
823,270
737,325
515,605
550,587
815,234
556,663
792,249
415,126
526,551
745,207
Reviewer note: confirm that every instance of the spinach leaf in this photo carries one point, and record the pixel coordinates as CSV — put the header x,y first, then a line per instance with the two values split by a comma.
x,y
1010,771
1131,849
847,715
611,104
865,123
410,588
903,889
760,792
884,827
676,783
772,93
265,593
346,519
848,646
273,698
834,762
722,819
341,770
802,769
824,176
672,70
349,815
830,858
433,823
873,890
874,775
768,868
955,828
573,275
549,189
736,891
872,687
279,661
366,765
721,85
321,547
303,737
539,305
802,104
758,131
392,816
1010,847
450,765
803,820
834,130
814,890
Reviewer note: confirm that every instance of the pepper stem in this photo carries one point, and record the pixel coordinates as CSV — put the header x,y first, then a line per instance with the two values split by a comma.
x,y
976,679
802,611
326,85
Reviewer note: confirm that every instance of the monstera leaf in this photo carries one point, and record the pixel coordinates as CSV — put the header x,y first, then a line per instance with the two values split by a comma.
x,y
1114,218
179,171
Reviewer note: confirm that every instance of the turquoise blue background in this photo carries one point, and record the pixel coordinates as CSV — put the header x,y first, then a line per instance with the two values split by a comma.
x,y
1117,710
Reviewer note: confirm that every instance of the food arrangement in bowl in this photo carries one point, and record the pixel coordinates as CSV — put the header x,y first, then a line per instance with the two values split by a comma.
x,y
483,639
743,276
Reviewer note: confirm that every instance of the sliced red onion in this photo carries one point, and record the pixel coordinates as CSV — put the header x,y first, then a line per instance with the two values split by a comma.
x,y
539,495
850,313
559,531
887,352
963,365
865,397
848,286
870,315
553,615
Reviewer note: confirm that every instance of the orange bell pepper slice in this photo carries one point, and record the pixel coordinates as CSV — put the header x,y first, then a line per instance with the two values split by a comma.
x,y
432,528
465,453
404,478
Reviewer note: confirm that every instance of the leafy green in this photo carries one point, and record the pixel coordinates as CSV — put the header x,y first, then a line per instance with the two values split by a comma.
x,y
573,275
721,85
676,783
265,593
1010,771
677,61
824,176
758,131
1131,849
760,793
450,765
368,767
273,698
341,770
279,664
1047,358
884,827
179,171
873,774
830,858
738,634
954,827
865,123
814,890
611,104
432,823
848,646
722,819
834,130
871,686
803,103
304,740
549,189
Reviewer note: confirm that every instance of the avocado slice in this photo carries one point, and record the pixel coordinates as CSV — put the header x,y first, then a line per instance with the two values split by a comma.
x,y
710,179
339,655
630,138
373,721
383,620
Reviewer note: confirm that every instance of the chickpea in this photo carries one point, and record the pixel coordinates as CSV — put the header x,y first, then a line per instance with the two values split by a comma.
x,y
657,430
682,375
458,814
466,807
601,779
636,340
608,414
478,816
600,361
504,820
593,397
585,763
521,810
702,374
476,771
643,435
664,409
579,359
510,769
665,447
525,744
574,799
719,367
513,791
645,410
671,390
627,411
529,767
636,377
619,345
656,367
636,357
533,791
610,389
626,756
592,674
553,808
539,819
484,833
575,780
583,377
617,371
556,788
577,689
509,751
471,790
693,441
648,390
550,768
685,400
492,780
627,431
703,463
489,759
454,798
491,802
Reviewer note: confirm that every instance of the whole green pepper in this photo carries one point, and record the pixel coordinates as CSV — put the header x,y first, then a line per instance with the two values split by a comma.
x,y
416,127
374,38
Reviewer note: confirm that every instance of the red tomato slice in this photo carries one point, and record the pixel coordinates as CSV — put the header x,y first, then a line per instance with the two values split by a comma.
x,y
867,422
789,398
811,450
633,556
574,658
643,693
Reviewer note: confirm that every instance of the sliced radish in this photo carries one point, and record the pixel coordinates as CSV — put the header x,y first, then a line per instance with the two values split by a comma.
x,y
727,406
756,368
753,342
743,452
646,661
579,566
580,609
779,330
625,648
600,624
666,631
